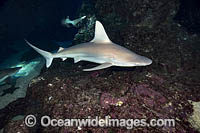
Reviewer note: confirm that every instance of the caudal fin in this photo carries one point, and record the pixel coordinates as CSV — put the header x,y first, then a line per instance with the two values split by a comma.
x,y
47,55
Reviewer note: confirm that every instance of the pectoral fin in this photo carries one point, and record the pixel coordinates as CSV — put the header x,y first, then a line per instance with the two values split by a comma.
x,y
76,60
102,66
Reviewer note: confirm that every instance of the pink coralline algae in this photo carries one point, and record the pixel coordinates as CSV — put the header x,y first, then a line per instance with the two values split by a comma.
x,y
149,95
108,100
157,79
96,73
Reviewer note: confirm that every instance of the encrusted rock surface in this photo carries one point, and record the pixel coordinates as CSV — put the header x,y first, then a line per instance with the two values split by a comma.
x,y
159,91
195,118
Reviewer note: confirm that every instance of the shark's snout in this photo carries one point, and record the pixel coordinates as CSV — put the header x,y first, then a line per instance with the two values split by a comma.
x,y
148,61
143,61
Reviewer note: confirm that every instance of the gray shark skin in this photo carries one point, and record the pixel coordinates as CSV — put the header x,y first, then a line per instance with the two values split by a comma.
x,y
100,50
8,72
67,21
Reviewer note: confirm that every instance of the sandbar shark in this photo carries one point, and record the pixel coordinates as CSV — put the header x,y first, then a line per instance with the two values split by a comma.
x,y
67,22
8,72
100,50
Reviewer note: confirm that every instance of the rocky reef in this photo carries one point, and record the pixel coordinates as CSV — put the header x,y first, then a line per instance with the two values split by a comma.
x,y
164,89
195,118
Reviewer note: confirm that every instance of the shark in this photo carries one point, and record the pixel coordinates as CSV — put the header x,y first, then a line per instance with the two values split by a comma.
x,y
7,73
100,50
67,22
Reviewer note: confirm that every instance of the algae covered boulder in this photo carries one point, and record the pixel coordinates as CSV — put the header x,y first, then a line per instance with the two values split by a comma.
x,y
195,117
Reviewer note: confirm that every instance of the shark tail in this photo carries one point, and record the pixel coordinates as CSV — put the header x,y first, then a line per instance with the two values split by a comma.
x,y
47,55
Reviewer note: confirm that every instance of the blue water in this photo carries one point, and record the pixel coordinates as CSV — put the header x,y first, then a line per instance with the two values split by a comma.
x,y
35,21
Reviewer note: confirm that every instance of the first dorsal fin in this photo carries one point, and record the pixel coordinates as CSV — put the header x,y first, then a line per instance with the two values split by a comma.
x,y
60,49
100,34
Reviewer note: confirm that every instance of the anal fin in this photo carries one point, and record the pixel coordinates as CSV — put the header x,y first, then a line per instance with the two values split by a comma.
x,y
102,66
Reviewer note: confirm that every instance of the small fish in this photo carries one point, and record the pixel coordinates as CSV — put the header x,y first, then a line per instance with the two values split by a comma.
x,y
67,22
100,50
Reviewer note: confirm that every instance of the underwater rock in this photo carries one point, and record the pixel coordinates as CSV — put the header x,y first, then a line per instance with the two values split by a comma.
x,y
188,15
159,91
107,100
149,95
86,32
195,117
16,127
143,13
